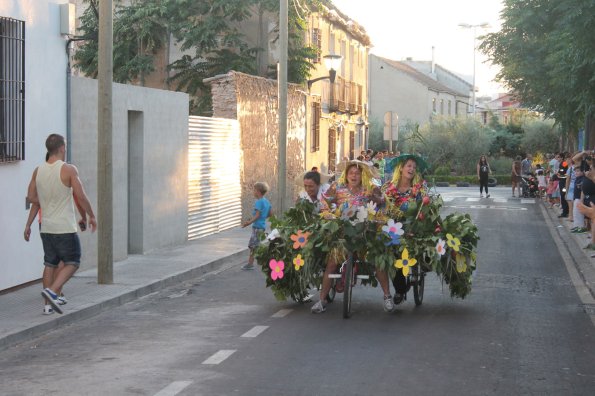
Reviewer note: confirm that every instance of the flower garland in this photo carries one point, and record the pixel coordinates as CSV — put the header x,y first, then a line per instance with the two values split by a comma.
x,y
406,232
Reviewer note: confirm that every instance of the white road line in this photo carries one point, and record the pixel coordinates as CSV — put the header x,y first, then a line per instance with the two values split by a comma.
x,y
447,199
220,356
282,313
173,389
473,199
500,200
254,332
529,201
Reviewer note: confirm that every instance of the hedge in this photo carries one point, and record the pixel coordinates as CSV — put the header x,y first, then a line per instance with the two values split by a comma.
x,y
503,180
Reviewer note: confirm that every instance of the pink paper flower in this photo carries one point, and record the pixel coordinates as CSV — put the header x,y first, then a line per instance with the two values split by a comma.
x,y
277,268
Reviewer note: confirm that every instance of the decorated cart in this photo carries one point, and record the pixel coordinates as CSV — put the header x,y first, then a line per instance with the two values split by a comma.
x,y
409,235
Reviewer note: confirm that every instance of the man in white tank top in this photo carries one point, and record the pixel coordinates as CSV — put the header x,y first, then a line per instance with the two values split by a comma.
x,y
52,187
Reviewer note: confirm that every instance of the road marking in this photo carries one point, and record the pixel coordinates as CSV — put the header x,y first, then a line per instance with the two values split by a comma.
x,y
254,332
529,201
485,207
500,200
473,199
220,356
174,388
447,199
282,313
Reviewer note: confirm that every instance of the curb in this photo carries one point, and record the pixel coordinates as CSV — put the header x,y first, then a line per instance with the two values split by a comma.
x,y
116,301
572,251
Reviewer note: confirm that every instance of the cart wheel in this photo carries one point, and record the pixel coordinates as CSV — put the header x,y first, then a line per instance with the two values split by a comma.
x,y
418,286
330,297
348,271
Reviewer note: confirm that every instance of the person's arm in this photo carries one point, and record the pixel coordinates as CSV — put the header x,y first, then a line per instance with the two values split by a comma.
x,y
252,220
79,194
588,211
579,157
513,170
32,214
32,189
478,170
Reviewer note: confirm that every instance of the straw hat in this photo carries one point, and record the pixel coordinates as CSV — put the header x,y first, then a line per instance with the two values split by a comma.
x,y
370,171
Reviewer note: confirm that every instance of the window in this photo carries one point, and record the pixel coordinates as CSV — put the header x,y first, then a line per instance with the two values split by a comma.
x,y
315,132
317,43
449,107
12,90
434,105
441,106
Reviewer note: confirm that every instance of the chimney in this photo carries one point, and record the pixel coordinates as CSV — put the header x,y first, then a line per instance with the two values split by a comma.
x,y
433,63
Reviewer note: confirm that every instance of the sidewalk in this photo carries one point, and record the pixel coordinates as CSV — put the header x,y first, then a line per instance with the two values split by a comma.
x,y
571,247
21,311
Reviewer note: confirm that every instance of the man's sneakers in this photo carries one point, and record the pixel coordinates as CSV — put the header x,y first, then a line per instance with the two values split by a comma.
x,y
48,310
388,304
578,230
53,299
62,300
318,308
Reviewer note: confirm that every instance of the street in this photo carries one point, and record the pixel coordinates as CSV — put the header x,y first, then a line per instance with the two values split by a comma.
x,y
522,331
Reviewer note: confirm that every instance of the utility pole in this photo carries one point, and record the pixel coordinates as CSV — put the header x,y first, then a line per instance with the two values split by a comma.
x,y
105,245
282,87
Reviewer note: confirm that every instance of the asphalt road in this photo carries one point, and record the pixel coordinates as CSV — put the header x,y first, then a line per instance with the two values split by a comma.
x,y
522,331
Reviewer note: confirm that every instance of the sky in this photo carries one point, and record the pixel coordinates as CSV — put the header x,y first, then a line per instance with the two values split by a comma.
x,y
407,28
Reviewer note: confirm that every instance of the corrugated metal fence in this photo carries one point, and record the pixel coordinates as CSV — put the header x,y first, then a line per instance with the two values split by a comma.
x,y
214,191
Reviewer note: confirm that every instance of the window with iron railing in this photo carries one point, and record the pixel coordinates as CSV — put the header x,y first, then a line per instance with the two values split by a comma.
x,y
317,43
315,133
12,90
342,96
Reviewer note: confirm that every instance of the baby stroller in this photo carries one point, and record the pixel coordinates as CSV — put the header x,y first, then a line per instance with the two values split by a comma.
x,y
529,186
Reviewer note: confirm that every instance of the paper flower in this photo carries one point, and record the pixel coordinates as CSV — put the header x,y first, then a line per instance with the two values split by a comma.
x,y
440,247
298,262
371,207
393,228
274,235
461,263
453,242
300,239
362,214
277,268
349,212
395,239
405,262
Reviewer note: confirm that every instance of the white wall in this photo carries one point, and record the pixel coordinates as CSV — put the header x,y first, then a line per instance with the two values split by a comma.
x,y
45,113
160,199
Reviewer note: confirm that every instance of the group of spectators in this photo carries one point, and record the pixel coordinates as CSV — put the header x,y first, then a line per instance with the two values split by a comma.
x,y
568,181
380,160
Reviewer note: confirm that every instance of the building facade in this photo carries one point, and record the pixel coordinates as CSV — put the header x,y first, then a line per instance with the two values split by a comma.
x,y
415,96
337,112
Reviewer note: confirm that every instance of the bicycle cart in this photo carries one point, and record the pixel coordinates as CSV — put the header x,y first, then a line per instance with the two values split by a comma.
x,y
347,276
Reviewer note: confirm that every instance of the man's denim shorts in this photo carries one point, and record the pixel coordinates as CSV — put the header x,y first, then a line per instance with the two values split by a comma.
x,y
61,247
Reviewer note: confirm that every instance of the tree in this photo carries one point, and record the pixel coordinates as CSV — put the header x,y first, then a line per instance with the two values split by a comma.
x,y
545,50
207,33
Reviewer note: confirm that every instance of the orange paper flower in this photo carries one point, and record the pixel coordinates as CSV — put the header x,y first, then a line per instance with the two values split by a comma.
x,y
300,239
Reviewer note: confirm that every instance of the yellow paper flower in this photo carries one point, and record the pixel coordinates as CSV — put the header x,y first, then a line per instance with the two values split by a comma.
x,y
405,262
298,262
453,242
461,263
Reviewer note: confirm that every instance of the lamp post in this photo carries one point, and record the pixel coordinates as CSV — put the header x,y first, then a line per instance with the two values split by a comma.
x,y
332,62
483,25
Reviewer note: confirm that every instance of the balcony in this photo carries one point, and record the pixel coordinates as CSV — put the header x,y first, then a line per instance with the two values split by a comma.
x,y
342,96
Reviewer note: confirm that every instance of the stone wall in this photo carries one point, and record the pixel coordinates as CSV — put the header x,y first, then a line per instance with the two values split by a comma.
x,y
253,102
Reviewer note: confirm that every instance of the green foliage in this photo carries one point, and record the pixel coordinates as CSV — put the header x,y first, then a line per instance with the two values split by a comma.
x,y
362,230
447,143
207,34
540,136
545,51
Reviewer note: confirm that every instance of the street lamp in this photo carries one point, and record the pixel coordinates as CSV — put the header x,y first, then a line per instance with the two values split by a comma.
x,y
332,62
483,25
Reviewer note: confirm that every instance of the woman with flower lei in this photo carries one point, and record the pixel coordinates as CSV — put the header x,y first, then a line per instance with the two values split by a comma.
x,y
406,186
354,189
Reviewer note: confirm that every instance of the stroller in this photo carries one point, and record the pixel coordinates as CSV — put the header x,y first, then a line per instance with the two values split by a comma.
x,y
529,186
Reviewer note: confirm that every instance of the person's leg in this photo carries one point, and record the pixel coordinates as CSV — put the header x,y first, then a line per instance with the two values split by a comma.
x,y
382,277
563,203
486,187
570,210
63,276
68,247
579,218
331,268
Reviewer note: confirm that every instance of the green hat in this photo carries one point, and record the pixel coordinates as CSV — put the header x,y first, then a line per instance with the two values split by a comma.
x,y
422,165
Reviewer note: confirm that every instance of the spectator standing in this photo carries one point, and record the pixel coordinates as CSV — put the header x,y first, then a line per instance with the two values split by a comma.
x,y
515,176
527,166
562,170
483,171
54,185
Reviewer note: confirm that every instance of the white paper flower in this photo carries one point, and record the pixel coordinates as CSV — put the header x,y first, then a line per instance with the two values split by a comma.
x,y
440,247
362,214
274,235
392,227
371,207
349,212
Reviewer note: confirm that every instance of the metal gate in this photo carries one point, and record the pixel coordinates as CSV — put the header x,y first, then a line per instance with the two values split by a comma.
x,y
214,191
